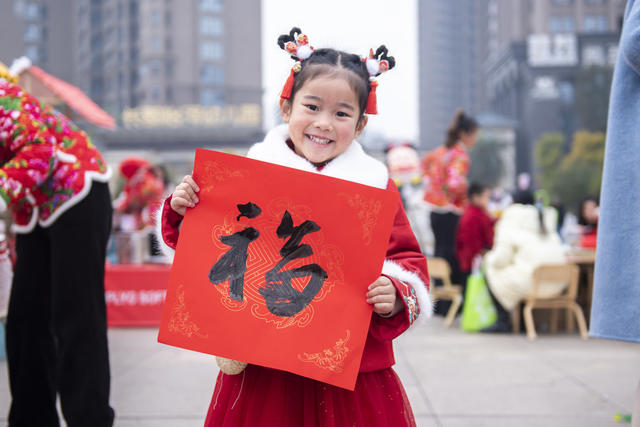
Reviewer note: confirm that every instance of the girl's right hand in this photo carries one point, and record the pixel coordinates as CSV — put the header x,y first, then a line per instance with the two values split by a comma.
x,y
184,196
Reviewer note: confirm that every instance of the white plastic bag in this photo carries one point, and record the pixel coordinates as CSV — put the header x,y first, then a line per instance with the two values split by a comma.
x,y
6,276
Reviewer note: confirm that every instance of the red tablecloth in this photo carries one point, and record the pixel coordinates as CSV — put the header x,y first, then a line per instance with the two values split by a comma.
x,y
135,293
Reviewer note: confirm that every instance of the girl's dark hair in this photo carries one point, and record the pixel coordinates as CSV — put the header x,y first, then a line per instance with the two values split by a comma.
x,y
476,189
461,123
527,198
331,61
581,219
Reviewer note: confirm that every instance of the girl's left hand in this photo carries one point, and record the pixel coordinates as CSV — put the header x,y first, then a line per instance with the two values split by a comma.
x,y
382,294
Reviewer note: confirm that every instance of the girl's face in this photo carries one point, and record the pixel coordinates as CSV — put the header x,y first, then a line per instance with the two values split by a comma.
x,y
590,211
469,138
324,118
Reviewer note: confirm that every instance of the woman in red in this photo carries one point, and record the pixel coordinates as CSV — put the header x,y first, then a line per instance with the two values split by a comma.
x,y
445,175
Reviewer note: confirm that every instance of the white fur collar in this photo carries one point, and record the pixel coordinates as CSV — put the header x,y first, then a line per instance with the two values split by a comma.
x,y
352,165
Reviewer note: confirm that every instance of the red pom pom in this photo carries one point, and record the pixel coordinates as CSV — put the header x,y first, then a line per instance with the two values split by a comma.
x,y
372,101
288,85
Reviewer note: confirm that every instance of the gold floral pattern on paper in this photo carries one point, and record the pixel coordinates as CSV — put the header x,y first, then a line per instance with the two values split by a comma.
x,y
367,211
180,321
215,172
330,359
301,320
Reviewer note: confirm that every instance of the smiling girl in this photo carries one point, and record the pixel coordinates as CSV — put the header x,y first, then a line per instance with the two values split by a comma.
x,y
323,106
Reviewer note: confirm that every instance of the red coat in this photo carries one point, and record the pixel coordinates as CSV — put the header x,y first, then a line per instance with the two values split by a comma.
x,y
263,396
475,234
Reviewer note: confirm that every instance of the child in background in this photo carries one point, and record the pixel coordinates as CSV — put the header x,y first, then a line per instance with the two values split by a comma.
x,y
588,215
323,105
475,230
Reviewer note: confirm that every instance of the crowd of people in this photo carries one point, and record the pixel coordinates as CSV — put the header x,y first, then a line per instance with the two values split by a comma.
x,y
509,235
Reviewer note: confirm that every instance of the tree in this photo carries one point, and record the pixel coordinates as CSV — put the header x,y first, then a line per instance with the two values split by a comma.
x,y
487,164
580,173
548,157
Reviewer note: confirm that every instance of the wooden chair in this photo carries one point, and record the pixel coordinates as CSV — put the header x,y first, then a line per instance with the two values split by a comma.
x,y
439,269
567,273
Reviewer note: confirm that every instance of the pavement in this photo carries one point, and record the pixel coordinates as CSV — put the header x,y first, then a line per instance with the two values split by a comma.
x,y
452,378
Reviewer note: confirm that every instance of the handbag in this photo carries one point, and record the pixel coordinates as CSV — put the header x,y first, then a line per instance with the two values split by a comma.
x,y
478,311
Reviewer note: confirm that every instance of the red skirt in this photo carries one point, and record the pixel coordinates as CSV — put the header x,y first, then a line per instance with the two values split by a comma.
x,y
266,397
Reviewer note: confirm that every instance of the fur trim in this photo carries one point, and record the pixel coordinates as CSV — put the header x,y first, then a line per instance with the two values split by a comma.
x,y
167,250
19,65
353,165
395,270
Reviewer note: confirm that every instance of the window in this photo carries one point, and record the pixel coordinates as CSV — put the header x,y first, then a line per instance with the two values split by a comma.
x,y
211,74
211,5
211,50
594,2
211,26
155,17
593,55
156,64
31,11
155,93
32,52
562,24
561,2
566,92
32,33
155,44
211,97
595,24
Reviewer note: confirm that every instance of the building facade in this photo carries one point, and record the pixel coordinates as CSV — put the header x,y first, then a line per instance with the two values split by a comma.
x,y
543,56
452,51
133,53
40,30
174,73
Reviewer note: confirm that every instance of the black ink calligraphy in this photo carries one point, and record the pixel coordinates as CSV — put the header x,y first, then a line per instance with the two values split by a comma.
x,y
233,264
281,297
250,210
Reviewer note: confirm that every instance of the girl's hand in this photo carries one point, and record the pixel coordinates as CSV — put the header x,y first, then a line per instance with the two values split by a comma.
x,y
184,196
382,294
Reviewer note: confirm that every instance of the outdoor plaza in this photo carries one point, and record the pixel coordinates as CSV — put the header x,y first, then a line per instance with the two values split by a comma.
x,y
452,378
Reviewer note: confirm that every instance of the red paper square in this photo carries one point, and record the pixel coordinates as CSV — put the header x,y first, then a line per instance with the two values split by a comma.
x,y
324,340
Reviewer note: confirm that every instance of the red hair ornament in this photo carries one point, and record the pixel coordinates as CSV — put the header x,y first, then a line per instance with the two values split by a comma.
x,y
297,45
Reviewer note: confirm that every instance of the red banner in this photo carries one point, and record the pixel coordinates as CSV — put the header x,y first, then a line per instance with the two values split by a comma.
x,y
272,267
135,293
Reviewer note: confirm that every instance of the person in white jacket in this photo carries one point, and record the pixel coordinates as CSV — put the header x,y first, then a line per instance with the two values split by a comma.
x,y
525,238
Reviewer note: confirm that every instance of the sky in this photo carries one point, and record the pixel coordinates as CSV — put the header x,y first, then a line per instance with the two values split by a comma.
x,y
353,26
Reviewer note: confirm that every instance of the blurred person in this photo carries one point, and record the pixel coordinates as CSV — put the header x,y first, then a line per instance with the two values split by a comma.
x,y
142,193
616,297
445,174
615,308
403,163
525,238
588,214
325,105
524,192
557,204
475,229
404,169
53,180
499,201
